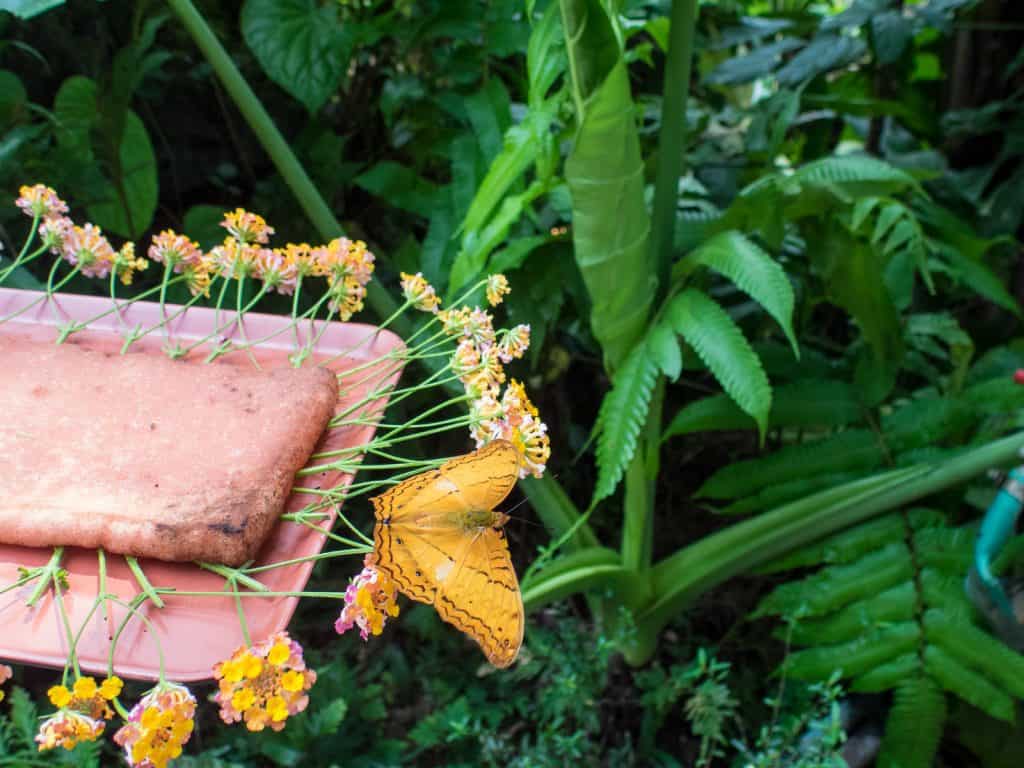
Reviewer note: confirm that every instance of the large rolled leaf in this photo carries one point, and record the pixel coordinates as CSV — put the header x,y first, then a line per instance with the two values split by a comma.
x,y
727,354
300,44
605,175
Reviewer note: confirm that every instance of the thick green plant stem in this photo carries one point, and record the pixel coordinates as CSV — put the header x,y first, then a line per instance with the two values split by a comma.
x,y
641,474
284,159
684,576
671,138
557,512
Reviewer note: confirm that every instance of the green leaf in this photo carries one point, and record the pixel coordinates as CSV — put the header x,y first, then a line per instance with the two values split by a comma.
x,y
622,416
202,224
754,272
124,197
401,187
720,344
605,175
664,348
750,66
854,449
852,272
857,656
832,588
300,44
806,403
13,97
545,55
890,33
967,684
522,143
477,246
858,175
23,715
980,279
823,54
590,568
914,726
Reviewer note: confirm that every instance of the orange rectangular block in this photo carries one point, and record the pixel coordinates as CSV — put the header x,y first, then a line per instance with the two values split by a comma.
x,y
142,455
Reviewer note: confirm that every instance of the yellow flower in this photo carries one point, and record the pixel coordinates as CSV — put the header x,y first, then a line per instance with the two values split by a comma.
x,y
251,666
67,728
59,696
247,227
111,688
243,699
231,671
419,292
279,654
276,691
157,726
293,680
85,688
497,289
277,709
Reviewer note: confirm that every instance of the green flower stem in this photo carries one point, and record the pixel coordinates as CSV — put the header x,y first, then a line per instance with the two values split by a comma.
x,y
72,641
233,575
241,615
46,574
311,558
671,139
143,582
163,292
243,595
20,262
24,248
133,612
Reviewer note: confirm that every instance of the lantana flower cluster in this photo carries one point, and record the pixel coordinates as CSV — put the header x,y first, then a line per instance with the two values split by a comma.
x,y
158,726
82,712
370,598
85,247
347,265
480,355
264,684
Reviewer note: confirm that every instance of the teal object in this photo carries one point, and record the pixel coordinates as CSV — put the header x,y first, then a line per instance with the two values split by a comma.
x,y
983,587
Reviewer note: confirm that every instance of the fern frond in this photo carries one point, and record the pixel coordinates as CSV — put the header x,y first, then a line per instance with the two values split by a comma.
x,y
717,340
622,416
977,650
854,449
856,656
892,605
914,726
844,547
899,617
832,588
967,684
753,271
806,403
887,676
858,175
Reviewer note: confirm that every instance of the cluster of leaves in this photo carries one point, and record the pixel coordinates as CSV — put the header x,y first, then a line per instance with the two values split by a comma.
x,y
889,611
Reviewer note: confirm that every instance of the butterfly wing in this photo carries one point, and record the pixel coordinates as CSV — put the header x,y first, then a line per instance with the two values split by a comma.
x,y
465,572
483,600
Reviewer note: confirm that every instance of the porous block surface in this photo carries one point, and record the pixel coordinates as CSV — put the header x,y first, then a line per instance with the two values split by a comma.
x,y
142,455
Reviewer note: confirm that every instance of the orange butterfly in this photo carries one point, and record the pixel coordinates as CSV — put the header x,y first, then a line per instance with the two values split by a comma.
x,y
439,539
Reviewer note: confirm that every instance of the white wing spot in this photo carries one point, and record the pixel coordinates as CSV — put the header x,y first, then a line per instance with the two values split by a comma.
x,y
442,571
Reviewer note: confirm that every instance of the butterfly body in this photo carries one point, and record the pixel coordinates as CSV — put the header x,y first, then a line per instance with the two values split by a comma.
x,y
438,537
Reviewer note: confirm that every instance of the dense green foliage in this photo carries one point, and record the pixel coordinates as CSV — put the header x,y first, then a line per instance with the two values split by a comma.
x,y
829,339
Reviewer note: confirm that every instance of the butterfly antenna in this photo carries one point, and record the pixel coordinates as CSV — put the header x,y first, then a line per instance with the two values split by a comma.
x,y
523,519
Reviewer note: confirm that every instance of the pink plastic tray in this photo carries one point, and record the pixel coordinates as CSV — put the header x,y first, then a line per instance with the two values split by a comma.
x,y
195,632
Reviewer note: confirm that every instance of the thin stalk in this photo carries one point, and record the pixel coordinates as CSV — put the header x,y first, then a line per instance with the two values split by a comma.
x,y
671,139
